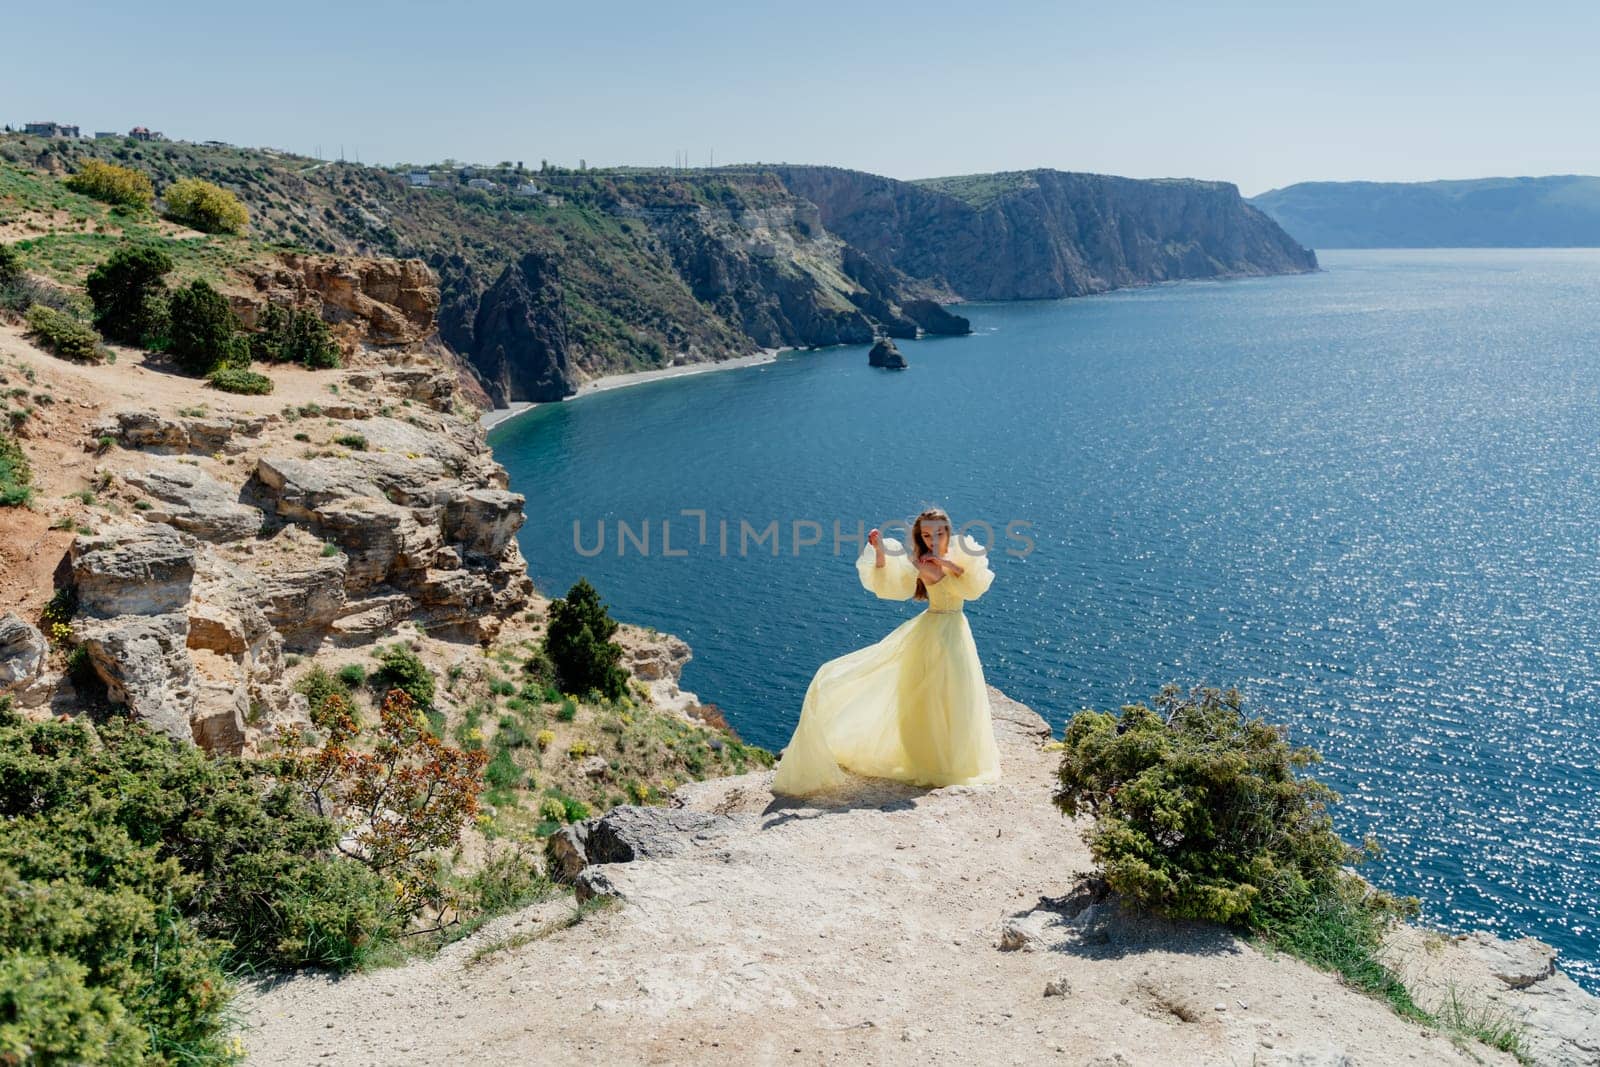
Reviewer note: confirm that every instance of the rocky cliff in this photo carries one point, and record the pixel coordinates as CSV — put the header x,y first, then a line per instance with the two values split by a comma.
x,y
223,532
549,278
1046,234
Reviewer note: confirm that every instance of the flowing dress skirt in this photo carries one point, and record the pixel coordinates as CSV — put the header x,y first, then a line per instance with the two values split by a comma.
x,y
913,707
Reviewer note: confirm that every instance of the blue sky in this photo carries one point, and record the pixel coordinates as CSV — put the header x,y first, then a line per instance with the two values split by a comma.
x,y
1260,94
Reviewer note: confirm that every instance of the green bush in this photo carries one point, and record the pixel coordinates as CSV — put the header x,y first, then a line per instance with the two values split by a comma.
x,y
10,266
129,293
294,336
317,685
1200,813
50,1014
353,441
399,668
237,380
502,771
539,668
135,871
113,184
509,879
16,477
65,335
353,675
207,207
202,330
579,644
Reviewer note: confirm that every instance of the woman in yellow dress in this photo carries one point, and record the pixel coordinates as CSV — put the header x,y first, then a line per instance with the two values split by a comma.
x,y
914,706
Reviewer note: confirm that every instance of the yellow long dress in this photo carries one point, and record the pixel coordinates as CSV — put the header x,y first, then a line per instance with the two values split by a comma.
x,y
912,707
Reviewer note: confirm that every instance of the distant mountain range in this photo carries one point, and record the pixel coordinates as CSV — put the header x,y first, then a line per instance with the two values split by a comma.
x,y
1561,211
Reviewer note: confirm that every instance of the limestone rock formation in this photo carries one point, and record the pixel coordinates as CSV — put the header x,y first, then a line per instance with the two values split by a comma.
x,y
23,658
657,660
244,536
186,497
371,301
886,354
133,587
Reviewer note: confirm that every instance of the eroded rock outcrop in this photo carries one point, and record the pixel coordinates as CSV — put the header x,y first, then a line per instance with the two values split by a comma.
x,y
887,355
133,586
246,535
368,301
24,656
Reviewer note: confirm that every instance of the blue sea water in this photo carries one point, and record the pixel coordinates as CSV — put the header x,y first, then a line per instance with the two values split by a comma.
x,y
1369,497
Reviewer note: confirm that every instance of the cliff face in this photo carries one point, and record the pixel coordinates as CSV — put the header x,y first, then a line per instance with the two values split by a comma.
x,y
600,272
518,338
1048,234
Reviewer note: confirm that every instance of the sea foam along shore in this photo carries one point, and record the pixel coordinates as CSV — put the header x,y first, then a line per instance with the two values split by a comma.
x,y
605,382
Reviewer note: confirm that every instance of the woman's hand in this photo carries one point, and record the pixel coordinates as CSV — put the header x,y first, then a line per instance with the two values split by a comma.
x,y
875,539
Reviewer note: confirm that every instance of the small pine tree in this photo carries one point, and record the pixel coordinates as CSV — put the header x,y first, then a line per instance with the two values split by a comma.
x,y
10,267
203,330
129,293
579,643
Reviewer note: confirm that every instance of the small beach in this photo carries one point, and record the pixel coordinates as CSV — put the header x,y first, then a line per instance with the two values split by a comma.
x,y
606,382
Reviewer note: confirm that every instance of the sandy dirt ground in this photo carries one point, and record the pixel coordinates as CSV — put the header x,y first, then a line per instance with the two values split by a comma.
x,y
863,927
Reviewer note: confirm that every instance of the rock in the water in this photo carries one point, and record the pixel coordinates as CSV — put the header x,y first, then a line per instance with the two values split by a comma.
x,y
887,355
935,319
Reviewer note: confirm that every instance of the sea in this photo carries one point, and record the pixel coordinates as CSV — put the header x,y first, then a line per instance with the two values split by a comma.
x,y
1368,497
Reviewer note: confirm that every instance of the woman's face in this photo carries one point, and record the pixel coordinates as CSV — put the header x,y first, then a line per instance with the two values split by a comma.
x,y
936,535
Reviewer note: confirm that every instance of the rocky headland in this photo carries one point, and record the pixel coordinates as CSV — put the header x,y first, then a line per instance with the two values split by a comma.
x,y
551,278
193,556
886,924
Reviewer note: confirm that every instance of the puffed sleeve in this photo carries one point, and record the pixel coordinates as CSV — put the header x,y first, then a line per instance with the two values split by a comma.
x,y
896,579
973,560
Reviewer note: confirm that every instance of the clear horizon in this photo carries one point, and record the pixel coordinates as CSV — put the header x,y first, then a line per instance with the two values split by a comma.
x,y
1392,92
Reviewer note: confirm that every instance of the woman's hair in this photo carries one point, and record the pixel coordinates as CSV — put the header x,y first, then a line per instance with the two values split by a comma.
x,y
920,546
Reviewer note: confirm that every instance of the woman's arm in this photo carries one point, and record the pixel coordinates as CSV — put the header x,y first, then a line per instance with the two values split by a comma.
x,y
875,539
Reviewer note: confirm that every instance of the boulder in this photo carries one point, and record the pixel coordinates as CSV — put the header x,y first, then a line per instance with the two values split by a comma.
x,y
22,652
189,499
133,570
886,354
144,662
484,521
23,655
147,430
629,833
